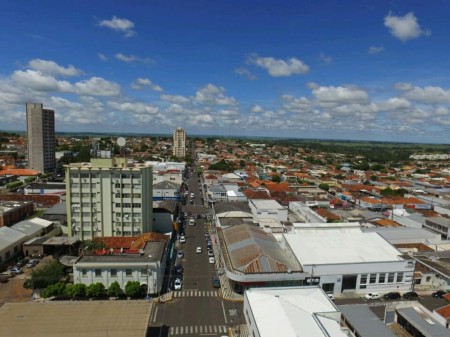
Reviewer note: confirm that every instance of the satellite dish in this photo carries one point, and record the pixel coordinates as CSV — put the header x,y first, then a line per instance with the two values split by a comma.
x,y
121,141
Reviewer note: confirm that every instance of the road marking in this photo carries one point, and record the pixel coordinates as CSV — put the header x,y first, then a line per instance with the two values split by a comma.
x,y
224,314
156,313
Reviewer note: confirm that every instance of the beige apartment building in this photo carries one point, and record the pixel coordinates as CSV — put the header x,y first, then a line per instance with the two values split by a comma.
x,y
108,198
40,137
179,143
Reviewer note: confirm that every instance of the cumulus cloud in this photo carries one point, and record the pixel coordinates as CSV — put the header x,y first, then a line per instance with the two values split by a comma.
x,y
97,86
405,27
141,83
339,95
134,107
176,99
36,80
211,94
279,67
428,94
246,73
52,68
123,26
375,50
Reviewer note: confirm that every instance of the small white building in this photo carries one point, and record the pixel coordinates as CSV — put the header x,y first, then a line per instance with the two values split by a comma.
x,y
346,259
10,243
146,266
268,208
291,312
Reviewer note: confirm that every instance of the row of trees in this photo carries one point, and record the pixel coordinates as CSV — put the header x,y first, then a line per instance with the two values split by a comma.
x,y
96,290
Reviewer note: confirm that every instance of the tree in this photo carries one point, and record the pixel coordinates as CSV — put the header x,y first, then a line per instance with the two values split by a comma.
x,y
324,187
133,289
95,290
54,290
276,178
76,290
47,275
114,289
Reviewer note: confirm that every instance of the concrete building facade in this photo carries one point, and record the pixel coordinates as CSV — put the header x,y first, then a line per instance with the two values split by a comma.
x,y
41,138
107,198
179,143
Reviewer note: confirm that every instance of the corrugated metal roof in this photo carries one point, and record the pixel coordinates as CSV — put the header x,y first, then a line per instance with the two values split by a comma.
x,y
364,321
252,250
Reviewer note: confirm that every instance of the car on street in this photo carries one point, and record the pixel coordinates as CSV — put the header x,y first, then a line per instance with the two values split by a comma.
x,y
180,254
410,295
392,296
198,250
372,296
216,282
191,222
178,270
439,294
212,260
210,253
182,239
177,284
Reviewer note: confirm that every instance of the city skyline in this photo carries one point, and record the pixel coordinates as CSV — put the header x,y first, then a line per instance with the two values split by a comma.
x,y
363,70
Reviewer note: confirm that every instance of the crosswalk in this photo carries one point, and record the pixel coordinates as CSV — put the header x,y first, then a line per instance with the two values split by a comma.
x,y
196,293
197,329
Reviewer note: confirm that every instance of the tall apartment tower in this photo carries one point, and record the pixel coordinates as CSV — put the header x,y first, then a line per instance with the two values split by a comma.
x,y
41,138
108,198
179,143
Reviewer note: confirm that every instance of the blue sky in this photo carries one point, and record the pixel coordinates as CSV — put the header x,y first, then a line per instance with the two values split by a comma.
x,y
369,70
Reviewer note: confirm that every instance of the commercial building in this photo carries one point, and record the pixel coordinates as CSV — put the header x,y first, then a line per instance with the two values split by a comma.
x,y
108,198
179,143
41,138
12,212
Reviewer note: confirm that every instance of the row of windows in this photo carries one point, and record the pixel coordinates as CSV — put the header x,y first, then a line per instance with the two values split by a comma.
x,y
127,195
380,278
128,205
112,272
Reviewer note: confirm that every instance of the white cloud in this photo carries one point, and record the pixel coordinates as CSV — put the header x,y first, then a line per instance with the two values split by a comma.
x,y
36,80
278,67
395,103
97,86
340,95
213,95
405,27
52,68
124,26
102,57
428,94
246,73
176,99
326,58
133,58
135,108
375,50
140,83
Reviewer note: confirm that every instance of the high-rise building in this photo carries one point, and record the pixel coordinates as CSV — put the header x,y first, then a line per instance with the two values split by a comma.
x,y
107,198
41,138
179,143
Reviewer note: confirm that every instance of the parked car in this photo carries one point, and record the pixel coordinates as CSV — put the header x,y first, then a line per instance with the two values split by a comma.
x,y
191,222
210,253
177,284
372,296
21,263
216,282
410,295
439,294
178,270
392,296
330,296
16,270
32,263
182,239
198,250
212,260
180,254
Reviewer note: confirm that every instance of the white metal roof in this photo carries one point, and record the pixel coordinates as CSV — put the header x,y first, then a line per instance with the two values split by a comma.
x,y
295,311
340,245
266,204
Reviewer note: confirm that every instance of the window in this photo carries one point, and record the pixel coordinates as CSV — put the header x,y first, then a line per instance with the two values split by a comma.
x,y
399,277
113,272
391,277
84,272
143,272
428,279
128,272
363,279
137,205
373,278
98,272
136,195
382,278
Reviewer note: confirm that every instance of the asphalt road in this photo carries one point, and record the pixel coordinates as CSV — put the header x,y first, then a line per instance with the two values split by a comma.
x,y
197,309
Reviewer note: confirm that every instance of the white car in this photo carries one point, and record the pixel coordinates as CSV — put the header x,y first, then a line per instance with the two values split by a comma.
x,y
372,296
198,250
182,239
212,260
180,254
330,296
177,284
191,222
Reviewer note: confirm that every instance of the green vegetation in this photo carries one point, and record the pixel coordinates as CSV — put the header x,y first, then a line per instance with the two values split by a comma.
x,y
324,187
96,290
48,275
388,192
276,178
222,166
114,289
14,184
133,289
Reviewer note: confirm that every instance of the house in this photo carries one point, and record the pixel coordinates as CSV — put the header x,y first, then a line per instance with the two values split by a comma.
x,y
10,244
166,190
269,208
